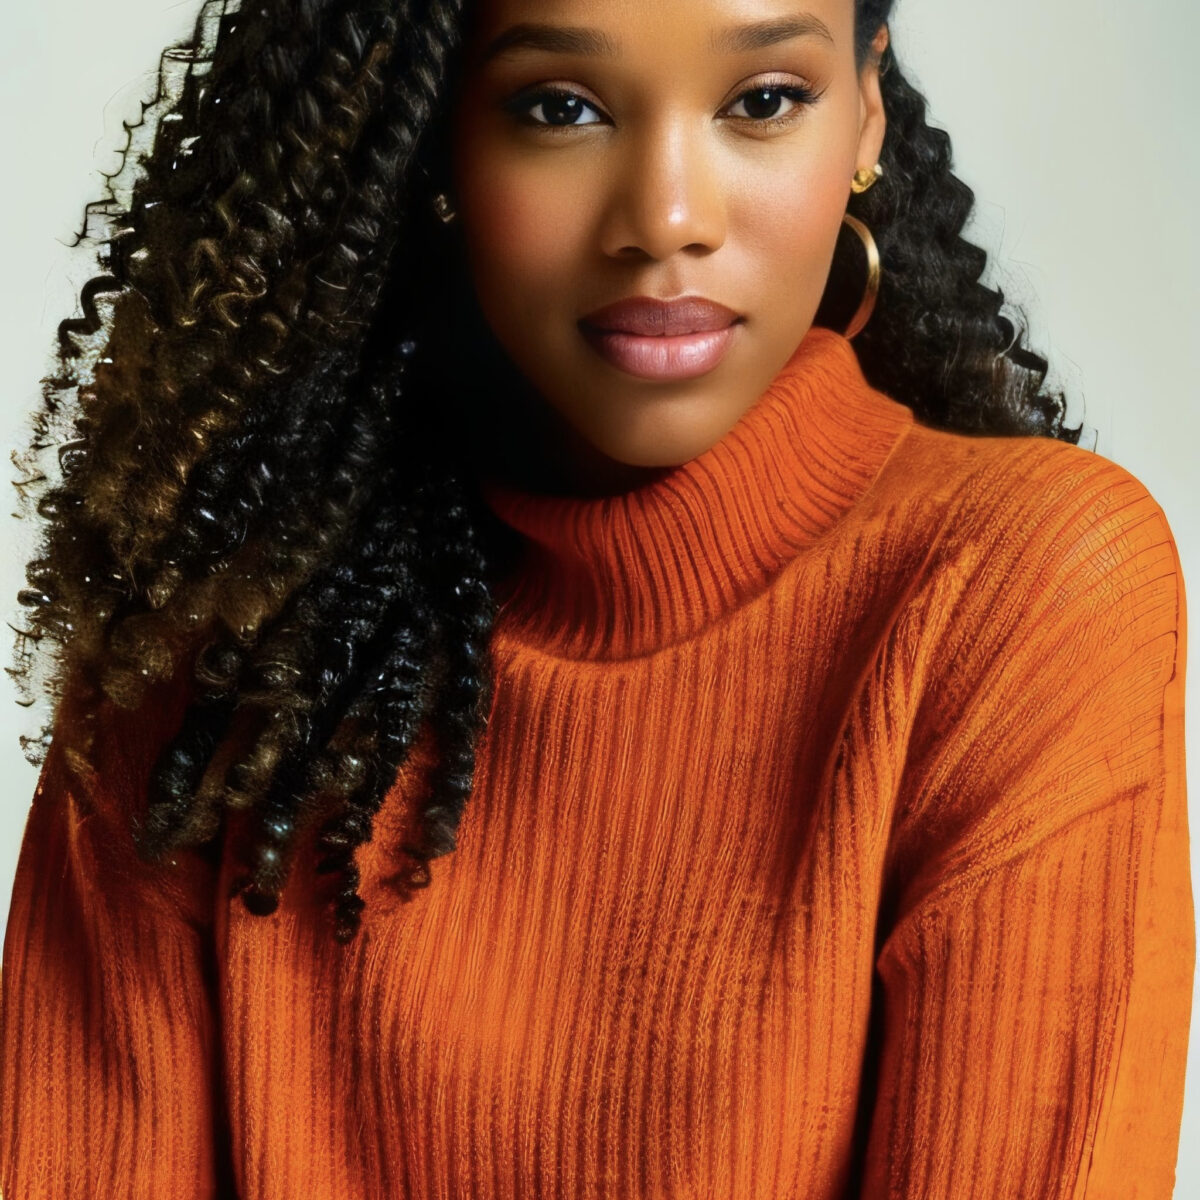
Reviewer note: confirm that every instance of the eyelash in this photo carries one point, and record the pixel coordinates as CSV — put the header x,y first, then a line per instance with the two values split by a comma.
x,y
802,96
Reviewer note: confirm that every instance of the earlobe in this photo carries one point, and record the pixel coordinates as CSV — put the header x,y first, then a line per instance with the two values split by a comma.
x,y
870,114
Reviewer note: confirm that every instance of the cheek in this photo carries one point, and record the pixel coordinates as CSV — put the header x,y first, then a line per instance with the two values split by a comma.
x,y
525,226
789,222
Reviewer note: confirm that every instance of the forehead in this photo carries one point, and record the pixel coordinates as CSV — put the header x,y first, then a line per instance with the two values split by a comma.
x,y
611,27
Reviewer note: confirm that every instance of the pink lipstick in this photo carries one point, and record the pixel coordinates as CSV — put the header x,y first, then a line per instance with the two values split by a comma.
x,y
661,339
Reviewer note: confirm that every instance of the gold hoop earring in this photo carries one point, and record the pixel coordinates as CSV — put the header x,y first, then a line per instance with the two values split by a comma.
x,y
871,293
865,178
443,208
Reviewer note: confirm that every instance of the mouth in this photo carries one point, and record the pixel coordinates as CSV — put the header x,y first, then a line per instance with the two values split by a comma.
x,y
662,339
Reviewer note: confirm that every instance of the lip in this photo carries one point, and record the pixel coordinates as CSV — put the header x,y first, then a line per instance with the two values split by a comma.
x,y
661,339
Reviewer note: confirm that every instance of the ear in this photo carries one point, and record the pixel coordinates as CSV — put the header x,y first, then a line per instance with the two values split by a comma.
x,y
872,120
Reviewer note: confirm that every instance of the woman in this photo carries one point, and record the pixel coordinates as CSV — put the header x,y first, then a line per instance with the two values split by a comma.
x,y
541,711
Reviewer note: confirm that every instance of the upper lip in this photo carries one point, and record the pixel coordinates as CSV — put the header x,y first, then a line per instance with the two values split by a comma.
x,y
651,317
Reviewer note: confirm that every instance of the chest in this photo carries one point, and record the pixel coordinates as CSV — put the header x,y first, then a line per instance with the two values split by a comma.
x,y
644,970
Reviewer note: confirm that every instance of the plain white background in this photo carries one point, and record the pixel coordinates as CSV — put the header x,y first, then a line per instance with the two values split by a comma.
x,y
1073,122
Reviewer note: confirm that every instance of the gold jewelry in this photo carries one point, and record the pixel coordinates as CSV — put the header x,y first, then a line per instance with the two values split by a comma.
x,y
867,306
443,208
865,178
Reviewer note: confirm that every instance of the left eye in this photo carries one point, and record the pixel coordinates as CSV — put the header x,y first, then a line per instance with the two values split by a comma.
x,y
762,103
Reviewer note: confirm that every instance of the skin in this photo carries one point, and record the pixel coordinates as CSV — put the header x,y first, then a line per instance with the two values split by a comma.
x,y
667,180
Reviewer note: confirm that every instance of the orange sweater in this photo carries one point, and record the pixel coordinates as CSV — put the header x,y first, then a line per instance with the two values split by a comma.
x,y
829,839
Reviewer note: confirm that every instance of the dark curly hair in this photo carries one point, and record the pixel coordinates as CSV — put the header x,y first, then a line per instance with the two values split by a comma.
x,y
258,487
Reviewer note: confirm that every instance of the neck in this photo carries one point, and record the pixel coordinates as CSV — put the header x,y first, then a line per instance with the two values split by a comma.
x,y
630,572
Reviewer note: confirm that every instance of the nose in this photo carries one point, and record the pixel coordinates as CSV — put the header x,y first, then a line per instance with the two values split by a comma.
x,y
666,196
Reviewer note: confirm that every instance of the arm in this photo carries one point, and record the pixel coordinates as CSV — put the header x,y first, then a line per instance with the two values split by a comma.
x,y
107,1035
1037,971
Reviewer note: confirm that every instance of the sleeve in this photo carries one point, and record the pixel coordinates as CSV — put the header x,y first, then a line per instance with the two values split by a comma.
x,y
106,1016
1036,964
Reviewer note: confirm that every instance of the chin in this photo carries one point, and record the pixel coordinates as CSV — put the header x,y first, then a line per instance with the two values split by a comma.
x,y
661,451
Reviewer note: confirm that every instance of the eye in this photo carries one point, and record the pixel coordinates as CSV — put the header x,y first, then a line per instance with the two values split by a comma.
x,y
762,103
560,108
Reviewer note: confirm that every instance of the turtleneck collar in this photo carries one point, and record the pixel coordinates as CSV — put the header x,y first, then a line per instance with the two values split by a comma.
x,y
611,577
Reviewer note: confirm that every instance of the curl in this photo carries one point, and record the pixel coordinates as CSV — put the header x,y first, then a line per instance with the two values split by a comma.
x,y
239,481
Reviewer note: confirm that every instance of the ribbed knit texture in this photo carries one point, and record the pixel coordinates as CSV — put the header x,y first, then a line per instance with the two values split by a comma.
x,y
828,840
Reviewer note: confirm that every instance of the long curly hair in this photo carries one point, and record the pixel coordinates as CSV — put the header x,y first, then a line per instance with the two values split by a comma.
x,y
254,489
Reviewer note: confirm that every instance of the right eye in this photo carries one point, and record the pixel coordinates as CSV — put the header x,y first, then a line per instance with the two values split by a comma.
x,y
560,108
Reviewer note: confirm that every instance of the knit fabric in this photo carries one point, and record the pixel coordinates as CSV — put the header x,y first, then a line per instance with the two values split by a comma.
x,y
828,839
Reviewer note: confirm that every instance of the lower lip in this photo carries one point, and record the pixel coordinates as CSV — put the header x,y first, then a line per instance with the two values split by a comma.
x,y
681,356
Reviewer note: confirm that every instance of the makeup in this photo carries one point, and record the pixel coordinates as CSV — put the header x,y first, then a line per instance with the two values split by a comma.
x,y
663,340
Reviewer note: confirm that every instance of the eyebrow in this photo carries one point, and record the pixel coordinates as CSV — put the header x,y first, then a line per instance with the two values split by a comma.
x,y
760,34
581,40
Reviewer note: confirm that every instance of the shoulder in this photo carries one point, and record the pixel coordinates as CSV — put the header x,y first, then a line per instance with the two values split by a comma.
x,y
1013,516
1048,640
1038,571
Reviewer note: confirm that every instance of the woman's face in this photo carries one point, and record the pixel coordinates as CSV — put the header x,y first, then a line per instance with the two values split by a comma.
x,y
611,149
